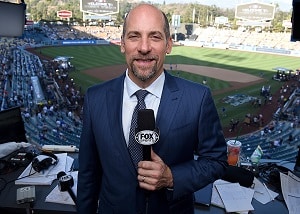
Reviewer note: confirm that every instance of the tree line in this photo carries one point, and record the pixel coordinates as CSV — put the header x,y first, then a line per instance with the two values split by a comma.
x,y
194,13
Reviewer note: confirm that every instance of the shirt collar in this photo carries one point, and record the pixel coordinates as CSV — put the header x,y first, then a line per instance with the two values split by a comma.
x,y
155,88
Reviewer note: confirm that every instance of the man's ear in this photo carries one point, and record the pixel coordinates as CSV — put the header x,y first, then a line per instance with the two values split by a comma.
x,y
122,46
122,49
169,46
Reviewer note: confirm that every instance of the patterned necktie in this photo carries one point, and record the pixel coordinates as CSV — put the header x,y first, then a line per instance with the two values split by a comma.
x,y
136,149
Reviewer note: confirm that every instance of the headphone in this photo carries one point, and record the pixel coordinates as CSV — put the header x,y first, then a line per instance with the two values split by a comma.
x,y
44,161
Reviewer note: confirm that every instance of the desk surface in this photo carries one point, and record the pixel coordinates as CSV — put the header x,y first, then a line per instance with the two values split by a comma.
x,y
9,205
8,198
274,207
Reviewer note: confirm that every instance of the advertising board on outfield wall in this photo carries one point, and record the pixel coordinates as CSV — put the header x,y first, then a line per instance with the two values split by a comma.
x,y
99,7
64,14
255,11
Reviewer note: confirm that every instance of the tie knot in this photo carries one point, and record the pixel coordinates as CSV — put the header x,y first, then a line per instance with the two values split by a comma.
x,y
141,94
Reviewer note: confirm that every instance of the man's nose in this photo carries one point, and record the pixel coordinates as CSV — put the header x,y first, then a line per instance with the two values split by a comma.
x,y
144,45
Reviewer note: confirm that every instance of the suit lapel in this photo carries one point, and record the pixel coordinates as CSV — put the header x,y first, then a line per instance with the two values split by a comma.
x,y
114,109
167,109
166,112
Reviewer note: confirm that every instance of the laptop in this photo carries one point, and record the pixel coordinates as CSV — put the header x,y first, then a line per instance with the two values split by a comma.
x,y
12,127
12,19
203,195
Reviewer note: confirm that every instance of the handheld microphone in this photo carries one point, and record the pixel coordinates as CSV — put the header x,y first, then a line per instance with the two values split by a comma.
x,y
65,183
146,134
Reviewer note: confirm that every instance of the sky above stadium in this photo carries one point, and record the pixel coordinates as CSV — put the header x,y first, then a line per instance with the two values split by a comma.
x,y
284,5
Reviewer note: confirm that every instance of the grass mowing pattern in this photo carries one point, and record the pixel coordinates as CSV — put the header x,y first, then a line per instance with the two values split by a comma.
x,y
86,57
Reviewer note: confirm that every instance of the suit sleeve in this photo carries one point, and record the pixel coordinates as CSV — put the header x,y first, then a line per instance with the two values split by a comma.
x,y
210,149
89,175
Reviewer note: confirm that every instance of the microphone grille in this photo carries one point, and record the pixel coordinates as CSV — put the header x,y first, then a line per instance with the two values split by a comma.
x,y
145,119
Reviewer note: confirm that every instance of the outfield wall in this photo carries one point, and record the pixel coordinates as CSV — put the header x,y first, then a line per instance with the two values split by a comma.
x,y
81,42
242,48
281,51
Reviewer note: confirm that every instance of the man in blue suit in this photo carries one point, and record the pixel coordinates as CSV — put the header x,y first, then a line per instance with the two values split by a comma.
x,y
108,180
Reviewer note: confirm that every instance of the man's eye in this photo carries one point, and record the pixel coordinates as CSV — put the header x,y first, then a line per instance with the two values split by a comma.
x,y
132,36
157,37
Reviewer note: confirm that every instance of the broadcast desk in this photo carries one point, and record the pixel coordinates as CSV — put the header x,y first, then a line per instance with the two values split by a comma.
x,y
273,207
8,204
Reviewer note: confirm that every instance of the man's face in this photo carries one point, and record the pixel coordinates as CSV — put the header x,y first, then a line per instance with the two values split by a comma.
x,y
145,45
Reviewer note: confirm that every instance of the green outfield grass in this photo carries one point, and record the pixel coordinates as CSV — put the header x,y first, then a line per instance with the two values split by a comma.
x,y
258,64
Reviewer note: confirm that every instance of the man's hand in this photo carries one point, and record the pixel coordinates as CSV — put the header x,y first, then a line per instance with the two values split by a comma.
x,y
155,174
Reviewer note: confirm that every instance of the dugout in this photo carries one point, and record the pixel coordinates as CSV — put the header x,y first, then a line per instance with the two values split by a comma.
x,y
283,74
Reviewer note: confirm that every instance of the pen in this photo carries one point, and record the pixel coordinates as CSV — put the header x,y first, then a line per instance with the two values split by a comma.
x,y
294,196
268,192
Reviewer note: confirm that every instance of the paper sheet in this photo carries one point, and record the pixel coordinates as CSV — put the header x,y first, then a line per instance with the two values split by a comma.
x,y
215,197
290,187
235,197
261,193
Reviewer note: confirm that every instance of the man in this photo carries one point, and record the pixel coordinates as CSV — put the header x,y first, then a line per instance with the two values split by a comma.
x,y
108,181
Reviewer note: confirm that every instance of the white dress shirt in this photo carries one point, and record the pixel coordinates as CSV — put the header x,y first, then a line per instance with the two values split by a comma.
x,y
152,100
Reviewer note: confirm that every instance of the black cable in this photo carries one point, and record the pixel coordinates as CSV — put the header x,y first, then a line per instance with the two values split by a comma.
x,y
72,194
29,210
7,182
7,167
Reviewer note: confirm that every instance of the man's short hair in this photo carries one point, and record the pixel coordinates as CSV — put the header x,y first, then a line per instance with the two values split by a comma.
x,y
166,25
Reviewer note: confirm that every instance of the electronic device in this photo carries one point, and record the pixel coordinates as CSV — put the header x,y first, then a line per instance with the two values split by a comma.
x,y
146,133
21,158
11,122
270,173
295,21
44,161
25,194
203,195
12,19
65,183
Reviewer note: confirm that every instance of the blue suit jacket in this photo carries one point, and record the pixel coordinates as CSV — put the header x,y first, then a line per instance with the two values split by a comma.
x,y
188,123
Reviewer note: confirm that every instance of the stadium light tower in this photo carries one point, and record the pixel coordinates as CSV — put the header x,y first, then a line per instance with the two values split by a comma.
x,y
175,24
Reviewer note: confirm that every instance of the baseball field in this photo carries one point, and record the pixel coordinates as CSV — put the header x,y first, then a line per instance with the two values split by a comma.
x,y
226,72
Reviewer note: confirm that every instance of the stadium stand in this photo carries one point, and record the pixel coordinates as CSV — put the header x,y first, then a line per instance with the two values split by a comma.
x,y
246,40
25,83
51,105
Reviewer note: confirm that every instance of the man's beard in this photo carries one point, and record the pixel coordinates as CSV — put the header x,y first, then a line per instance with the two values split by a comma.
x,y
141,73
